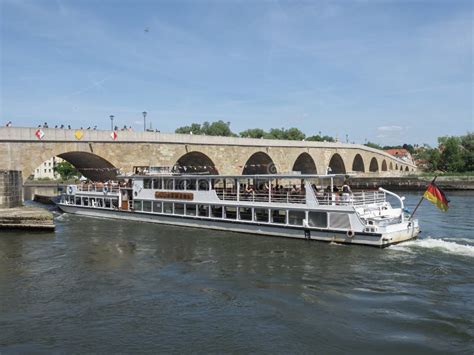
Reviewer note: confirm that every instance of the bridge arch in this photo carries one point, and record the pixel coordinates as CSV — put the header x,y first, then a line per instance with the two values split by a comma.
x,y
374,165
390,166
358,164
407,168
259,163
305,164
336,165
196,162
92,166
401,167
384,165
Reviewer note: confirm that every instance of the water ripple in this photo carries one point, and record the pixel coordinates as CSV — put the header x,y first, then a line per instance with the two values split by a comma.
x,y
448,247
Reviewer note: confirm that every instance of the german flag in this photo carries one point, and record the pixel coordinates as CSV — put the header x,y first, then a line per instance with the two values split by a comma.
x,y
435,195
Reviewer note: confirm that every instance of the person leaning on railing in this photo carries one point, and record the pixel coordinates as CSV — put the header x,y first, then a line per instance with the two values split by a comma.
x,y
346,193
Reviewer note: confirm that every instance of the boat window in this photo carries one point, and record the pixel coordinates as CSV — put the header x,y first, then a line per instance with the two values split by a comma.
x,y
115,203
295,218
245,214
279,216
147,183
191,184
157,206
147,206
167,207
203,211
230,212
339,220
318,219
100,202
203,185
157,185
190,210
180,184
85,201
179,208
78,201
137,205
168,184
261,215
216,211
107,203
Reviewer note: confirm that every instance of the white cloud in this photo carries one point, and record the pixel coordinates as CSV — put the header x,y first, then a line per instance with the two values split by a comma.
x,y
389,128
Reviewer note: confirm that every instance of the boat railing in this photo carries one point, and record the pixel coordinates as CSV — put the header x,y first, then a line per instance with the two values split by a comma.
x,y
327,199
98,188
257,196
362,198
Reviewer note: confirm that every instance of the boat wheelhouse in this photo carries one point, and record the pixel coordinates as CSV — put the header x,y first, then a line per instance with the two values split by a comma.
x,y
314,207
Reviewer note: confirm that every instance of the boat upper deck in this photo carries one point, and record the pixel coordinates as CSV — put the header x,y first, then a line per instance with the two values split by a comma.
x,y
282,189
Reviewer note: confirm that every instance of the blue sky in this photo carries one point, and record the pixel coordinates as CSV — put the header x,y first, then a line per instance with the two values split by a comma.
x,y
387,71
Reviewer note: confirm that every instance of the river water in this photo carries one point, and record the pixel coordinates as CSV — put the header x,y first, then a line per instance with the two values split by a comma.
x,y
116,286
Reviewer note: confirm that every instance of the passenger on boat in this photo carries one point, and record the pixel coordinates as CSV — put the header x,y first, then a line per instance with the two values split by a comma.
x,y
346,193
328,196
295,190
249,189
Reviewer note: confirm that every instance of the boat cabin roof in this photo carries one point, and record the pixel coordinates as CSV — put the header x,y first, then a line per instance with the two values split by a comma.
x,y
258,176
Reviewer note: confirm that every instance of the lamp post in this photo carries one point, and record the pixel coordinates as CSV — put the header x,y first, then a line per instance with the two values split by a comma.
x,y
144,120
111,122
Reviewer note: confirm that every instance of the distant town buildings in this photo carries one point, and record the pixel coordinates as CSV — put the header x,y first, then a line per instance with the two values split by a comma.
x,y
401,153
46,170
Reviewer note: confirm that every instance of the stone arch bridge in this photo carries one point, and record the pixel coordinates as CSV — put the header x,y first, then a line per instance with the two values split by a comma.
x,y
100,154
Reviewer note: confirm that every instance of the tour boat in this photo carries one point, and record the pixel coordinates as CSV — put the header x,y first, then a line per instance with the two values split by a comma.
x,y
285,205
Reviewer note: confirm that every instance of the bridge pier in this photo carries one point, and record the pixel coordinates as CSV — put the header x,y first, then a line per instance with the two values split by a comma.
x,y
11,183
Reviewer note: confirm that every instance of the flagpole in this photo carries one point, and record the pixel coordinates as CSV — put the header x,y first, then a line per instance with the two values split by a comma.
x,y
421,200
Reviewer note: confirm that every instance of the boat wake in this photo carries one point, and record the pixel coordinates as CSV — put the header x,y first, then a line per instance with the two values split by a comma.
x,y
457,246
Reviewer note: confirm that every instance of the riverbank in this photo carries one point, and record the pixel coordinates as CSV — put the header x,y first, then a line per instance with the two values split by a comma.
x,y
27,218
415,183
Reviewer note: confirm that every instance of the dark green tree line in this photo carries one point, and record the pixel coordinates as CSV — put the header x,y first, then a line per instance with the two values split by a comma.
x,y
453,154
221,128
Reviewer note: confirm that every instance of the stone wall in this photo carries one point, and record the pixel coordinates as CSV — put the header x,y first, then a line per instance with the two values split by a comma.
x,y
10,188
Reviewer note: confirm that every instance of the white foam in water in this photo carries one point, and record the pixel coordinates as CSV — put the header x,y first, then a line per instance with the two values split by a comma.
x,y
437,244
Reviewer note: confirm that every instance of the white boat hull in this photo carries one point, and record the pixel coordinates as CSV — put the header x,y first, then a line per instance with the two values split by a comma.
x,y
335,236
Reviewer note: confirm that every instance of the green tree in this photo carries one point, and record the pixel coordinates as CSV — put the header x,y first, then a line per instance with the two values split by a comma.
x,y
219,128
66,170
195,128
253,133
409,147
467,143
275,133
433,159
451,155
373,145
293,134
320,138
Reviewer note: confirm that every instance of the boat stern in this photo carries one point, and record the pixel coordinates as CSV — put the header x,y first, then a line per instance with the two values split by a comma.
x,y
400,233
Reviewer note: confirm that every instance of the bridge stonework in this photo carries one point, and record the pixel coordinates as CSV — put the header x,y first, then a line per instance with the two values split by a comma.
x,y
24,149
